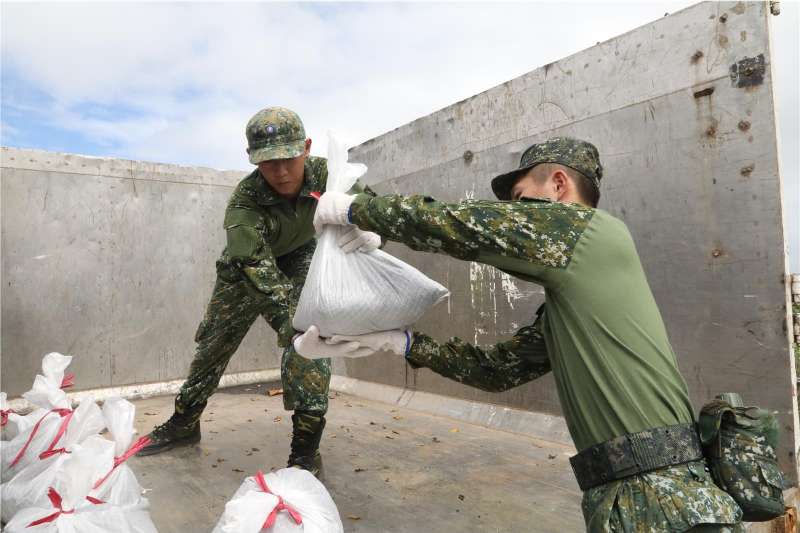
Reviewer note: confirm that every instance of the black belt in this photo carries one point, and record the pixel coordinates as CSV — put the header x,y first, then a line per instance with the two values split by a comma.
x,y
636,453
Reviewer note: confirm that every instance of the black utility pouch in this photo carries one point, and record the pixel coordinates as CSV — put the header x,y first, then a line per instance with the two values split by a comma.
x,y
739,444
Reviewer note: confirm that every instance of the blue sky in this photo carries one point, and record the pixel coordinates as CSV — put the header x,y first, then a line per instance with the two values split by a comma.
x,y
177,82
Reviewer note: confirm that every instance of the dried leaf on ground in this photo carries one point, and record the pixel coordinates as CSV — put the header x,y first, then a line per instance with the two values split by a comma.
x,y
274,392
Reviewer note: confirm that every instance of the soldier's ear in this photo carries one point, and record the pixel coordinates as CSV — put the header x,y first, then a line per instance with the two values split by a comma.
x,y
560,180
308,146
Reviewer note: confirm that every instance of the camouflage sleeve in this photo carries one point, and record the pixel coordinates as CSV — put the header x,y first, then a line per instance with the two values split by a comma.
x,y
248,249
495,368
541,234
360,188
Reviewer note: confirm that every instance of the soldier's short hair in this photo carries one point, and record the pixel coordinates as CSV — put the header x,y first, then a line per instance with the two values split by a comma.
x,y
587,190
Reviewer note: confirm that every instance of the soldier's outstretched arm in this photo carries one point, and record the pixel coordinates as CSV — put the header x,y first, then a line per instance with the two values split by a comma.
x,y
540,234
248,250
495,368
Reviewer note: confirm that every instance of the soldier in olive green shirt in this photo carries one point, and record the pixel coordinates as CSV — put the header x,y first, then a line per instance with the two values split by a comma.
x,y
270,242
600,331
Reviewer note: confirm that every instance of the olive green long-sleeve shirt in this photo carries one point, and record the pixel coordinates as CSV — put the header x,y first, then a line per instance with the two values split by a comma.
x,y
600,332
607,345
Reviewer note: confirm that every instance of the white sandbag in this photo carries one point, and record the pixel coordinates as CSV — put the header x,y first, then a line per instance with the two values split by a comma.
x,y
18,423
29,485
54,366
359,292
294,501
45,395
8,418
118,485
34,430
69,511
13,423
25,447
57,428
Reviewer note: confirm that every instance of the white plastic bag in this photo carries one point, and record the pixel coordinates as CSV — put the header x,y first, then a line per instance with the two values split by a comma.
x,y
25,447
34,430
9,420
301,494
18,423
68,510
29,485
356,293
54,366
118,485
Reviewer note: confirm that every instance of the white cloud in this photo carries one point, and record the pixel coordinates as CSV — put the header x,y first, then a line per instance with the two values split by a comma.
x,y
359,68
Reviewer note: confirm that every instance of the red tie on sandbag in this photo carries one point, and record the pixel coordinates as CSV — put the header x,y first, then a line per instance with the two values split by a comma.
x,y
55,499
4,416
52,450
282,506
133,450
61,413
68,381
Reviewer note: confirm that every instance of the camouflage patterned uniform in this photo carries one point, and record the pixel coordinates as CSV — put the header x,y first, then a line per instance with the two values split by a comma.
x,y
600,333
260,272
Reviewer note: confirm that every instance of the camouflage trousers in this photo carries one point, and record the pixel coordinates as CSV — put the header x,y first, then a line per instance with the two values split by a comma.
x,y
234,307
672,499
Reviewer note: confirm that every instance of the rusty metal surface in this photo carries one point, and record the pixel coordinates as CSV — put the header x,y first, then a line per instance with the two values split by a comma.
x,y
691,167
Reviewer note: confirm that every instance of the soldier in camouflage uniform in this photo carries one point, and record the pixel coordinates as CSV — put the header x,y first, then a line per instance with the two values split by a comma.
x,y
599,331
270,242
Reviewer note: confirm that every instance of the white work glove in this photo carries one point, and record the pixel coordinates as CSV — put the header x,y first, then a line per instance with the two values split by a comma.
x,y
397,341
354,238
332,208
311,346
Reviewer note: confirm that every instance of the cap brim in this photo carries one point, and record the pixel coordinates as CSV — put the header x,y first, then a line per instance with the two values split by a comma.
x,y
501,185
280,151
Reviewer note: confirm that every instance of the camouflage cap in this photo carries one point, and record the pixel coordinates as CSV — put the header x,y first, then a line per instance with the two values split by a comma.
x,y
574,153
275,133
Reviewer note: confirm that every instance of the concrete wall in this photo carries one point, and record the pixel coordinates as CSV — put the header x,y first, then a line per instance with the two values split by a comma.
x,y
691,166
111,261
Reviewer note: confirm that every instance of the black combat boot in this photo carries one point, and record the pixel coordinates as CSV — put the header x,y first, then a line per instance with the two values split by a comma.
x,y
182,429
306,434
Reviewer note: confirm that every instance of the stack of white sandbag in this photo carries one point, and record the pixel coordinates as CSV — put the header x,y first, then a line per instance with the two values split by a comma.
x,y
290,500
68,509
35,432
29,486
57,465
